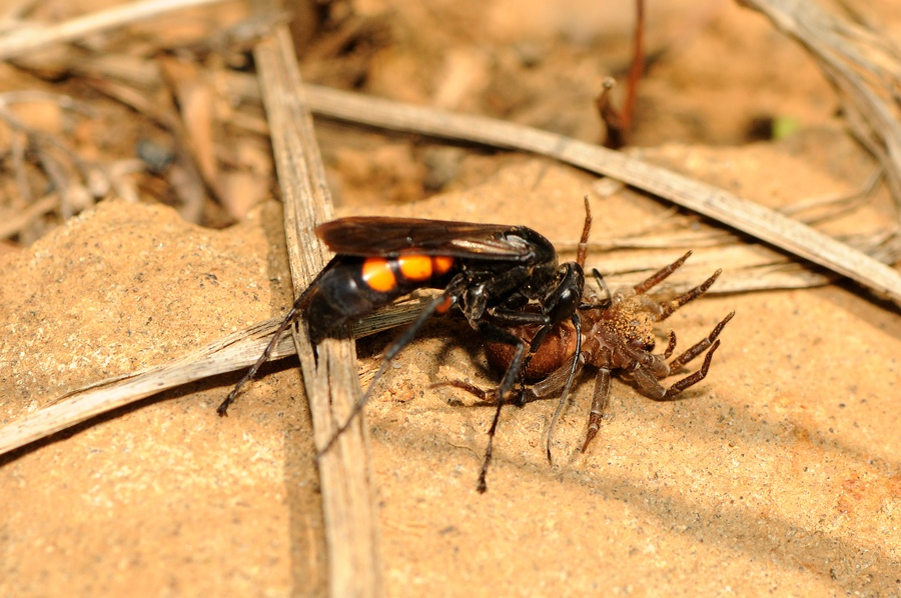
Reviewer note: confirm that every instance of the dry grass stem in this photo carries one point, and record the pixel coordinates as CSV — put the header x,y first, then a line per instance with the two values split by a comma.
x,y
240,349
861,64
30,37
713,202
24,218
77,183
233,352
331,377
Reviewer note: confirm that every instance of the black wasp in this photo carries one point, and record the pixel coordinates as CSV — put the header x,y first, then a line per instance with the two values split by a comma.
x,y
491,272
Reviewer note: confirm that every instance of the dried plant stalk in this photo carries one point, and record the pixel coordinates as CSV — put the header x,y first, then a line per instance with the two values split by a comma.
x,y
713,202
27,39
863,67
240,349
233,352
331,378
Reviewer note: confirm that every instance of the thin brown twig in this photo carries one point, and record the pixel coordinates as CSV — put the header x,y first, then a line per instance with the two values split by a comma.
x,y
636,69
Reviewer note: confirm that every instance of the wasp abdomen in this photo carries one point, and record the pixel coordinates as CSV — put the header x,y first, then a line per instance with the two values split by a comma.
x,y
353,286
388,275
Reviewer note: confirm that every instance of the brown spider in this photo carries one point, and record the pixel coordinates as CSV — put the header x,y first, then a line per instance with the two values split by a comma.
x,y
617,337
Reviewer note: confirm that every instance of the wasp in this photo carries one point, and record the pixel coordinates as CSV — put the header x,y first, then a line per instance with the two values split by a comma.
x,y
490,272
616,337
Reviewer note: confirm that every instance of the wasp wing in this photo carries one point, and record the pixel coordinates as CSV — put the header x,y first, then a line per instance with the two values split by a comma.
x,y
384,236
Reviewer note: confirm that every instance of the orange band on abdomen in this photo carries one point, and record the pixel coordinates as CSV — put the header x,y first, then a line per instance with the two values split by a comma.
x,y
415,267
378,275
442,263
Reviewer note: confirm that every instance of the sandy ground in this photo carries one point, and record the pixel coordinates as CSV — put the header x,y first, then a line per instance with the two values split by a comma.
x,y
779,473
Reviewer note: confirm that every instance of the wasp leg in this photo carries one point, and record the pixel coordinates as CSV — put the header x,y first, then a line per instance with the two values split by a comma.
x,y
222,410
496,334
451,294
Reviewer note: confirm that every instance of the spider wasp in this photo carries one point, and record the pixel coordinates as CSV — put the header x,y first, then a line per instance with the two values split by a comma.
x,y
491,272
619,338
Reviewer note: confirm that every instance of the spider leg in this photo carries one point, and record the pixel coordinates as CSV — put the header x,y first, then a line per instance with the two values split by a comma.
x,y
673,391
539,391
483,394
671,346
699,347
582,251
690,295
659,276
598,404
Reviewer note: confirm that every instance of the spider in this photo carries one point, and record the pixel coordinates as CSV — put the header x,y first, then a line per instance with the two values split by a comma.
x,y
617,338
